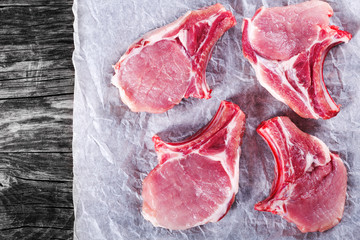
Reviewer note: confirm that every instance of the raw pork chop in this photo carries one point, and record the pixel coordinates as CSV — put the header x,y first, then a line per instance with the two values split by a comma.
x,y
310,181
196,180
287,47
169,63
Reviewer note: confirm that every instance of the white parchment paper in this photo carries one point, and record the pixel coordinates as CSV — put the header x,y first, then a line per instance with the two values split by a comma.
x,y
112,146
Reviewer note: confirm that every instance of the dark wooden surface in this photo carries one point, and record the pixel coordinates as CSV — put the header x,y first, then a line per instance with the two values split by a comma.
x,y
36,99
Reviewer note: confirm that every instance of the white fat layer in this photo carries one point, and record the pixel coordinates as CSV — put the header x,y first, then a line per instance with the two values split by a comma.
x,y
281,67
175,155
251,27
123,96
278,205
289,143
151,219
287,134
311,159
220,157
148,217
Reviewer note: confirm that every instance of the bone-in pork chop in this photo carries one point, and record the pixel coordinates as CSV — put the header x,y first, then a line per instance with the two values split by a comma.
x,y
309,188
196,180
169,63
287,47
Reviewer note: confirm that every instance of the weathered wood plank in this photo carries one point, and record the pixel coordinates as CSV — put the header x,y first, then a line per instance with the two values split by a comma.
x,y
12,3
38,166
33,232
35,25
50,16
36,195
37,82
12,54
36,50
36,98
31,66
36,88
36,124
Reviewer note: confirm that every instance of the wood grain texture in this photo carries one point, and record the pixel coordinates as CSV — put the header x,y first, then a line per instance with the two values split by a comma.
x,y
36,124
12,3
36,99
35,194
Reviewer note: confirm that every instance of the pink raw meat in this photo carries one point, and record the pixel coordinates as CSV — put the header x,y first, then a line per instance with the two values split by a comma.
x,y
309,188
287,47
196,180
169,63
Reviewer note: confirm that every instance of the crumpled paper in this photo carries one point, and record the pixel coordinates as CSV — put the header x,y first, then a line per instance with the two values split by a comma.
x,y
112,146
